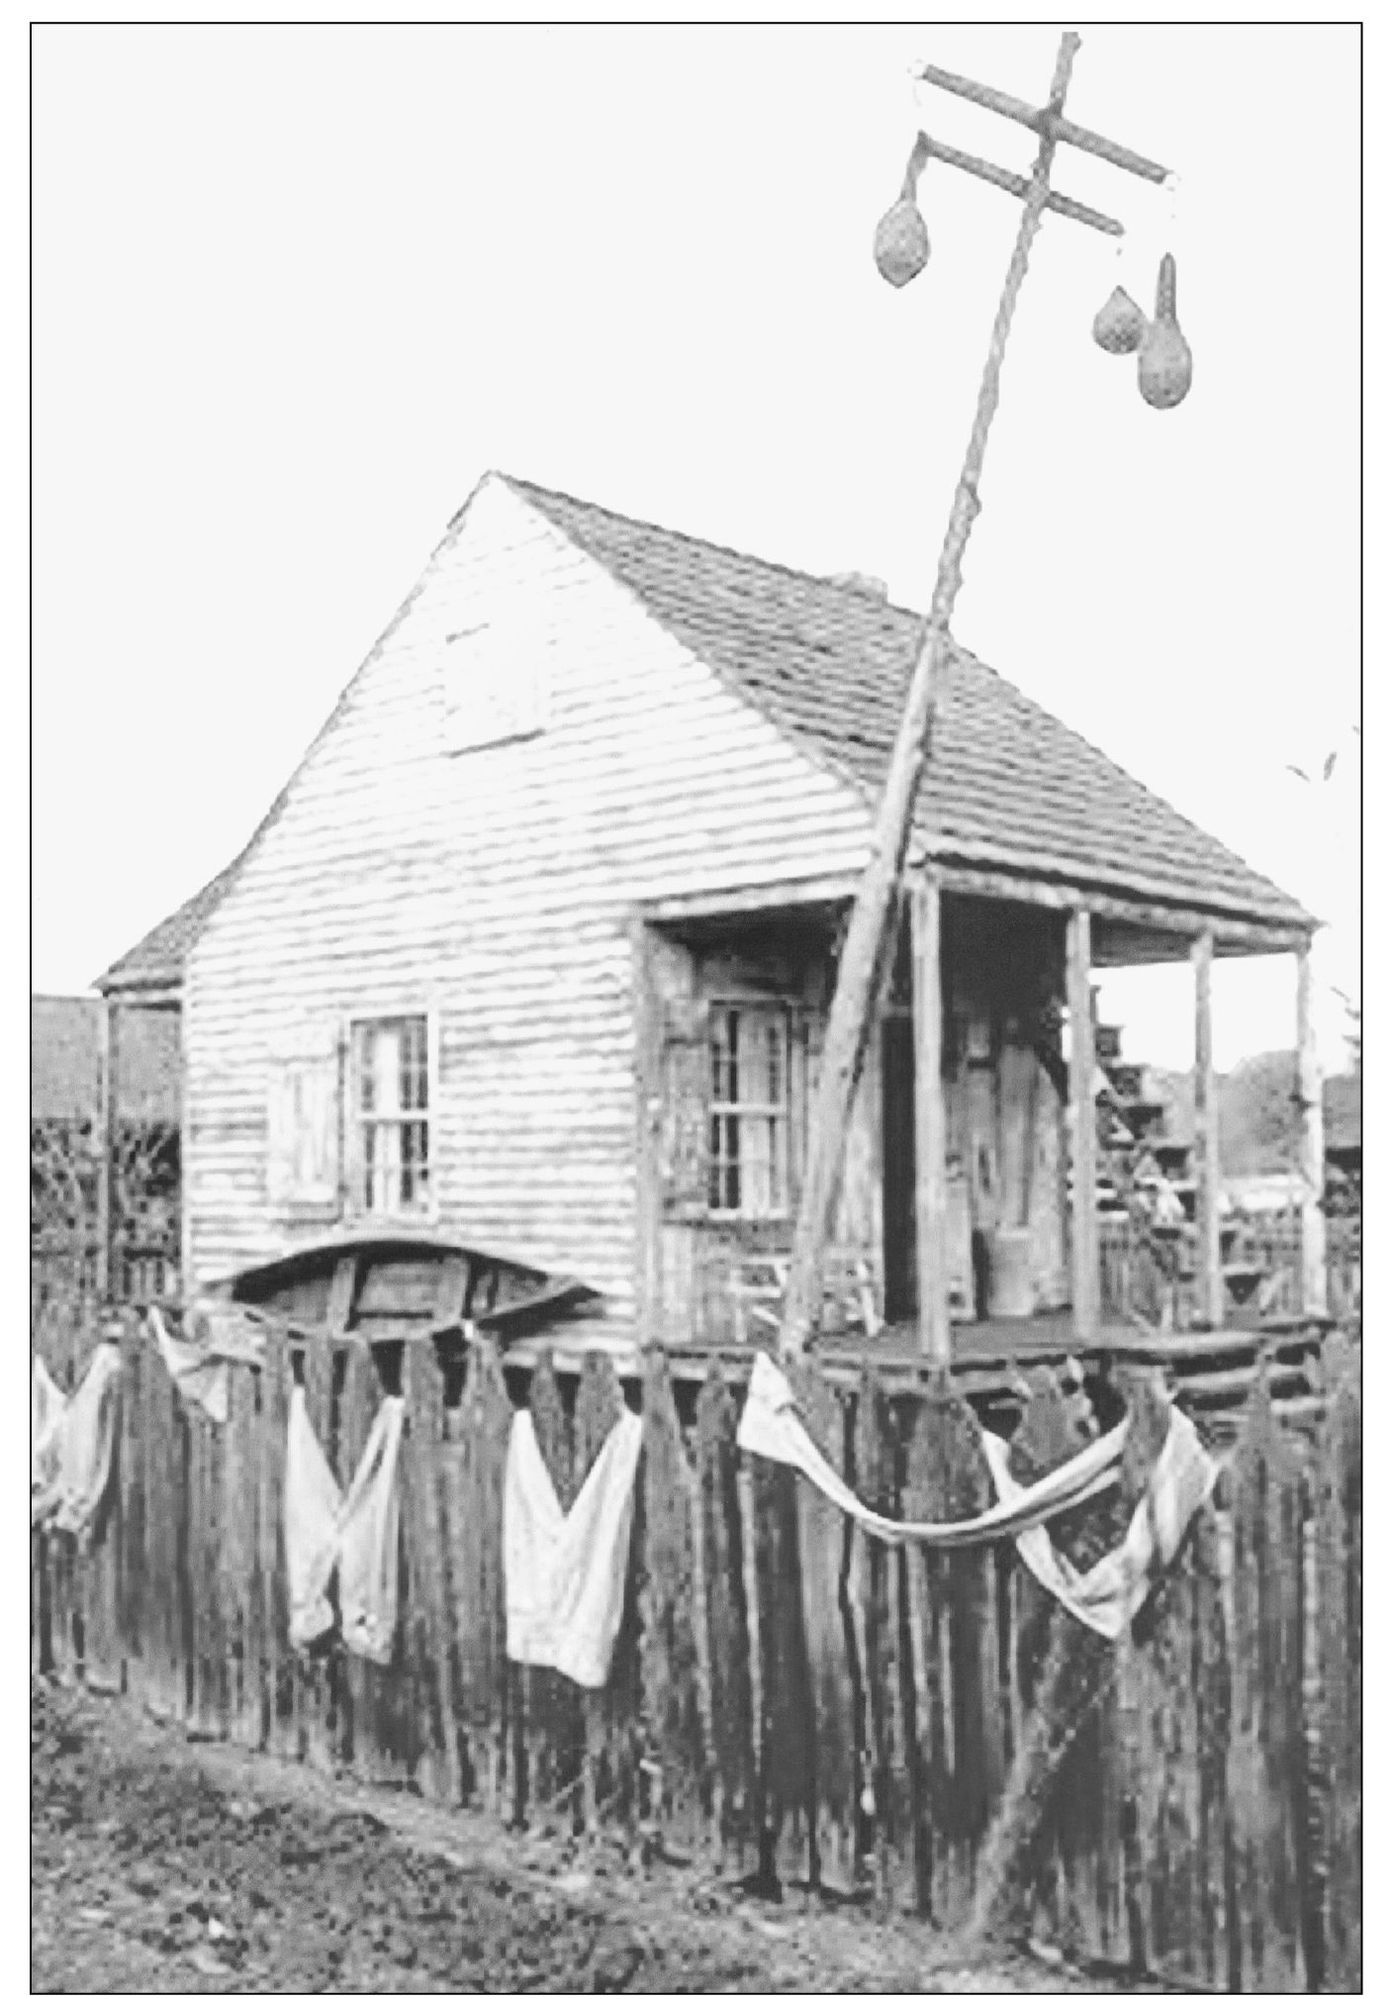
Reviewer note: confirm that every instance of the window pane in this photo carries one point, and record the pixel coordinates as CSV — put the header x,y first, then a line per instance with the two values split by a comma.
x,y
366,1096
723,1033
750,1101
393,1094
757,1137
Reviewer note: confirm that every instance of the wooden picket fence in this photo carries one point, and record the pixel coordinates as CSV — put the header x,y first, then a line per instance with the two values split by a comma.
x,y
788,1701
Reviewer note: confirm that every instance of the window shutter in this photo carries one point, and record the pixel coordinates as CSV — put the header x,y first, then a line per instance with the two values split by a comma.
x,y
684,1148
303,1126
809,1032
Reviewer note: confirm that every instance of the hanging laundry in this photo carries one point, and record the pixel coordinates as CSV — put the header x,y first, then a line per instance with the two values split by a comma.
x,y
47,1403
356,1534
199,1376
80,1458
1108,1595
564,1573
770,1427
1105,1597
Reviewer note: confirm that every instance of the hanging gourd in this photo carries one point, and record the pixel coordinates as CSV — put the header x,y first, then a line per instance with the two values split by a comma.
x,y
901,235
1120,326
1165,367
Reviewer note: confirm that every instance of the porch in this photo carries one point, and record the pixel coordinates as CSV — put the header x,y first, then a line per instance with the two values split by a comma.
x,y
976,1209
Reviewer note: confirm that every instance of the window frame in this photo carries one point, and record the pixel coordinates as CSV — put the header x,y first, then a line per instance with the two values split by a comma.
x,y
723,1112
355,1120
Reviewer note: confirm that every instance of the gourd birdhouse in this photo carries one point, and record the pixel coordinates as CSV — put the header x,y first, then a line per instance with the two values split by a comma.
x,y
1120,326
1165,367
901,242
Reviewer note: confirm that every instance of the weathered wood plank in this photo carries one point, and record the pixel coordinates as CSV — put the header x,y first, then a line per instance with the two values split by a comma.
x,y
955,1657
207,1604
1338,1503
784,1732
554,1718
316,1674
610,1714
428,1634
240,1567
1266,1750
199,1543
734,1801
676,1692
835,1666
355,1742
102,1642
488,1710
278,1664
878,1587
382,1696
153,1506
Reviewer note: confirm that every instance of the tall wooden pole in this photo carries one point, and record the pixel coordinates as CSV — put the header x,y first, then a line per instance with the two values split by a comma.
x,y
876,904
1314,1273
1082,1059
107,1137
1206,1169
930,1120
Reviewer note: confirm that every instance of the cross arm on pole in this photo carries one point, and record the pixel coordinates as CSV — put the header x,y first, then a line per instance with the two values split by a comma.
x,y
1047,122
927,148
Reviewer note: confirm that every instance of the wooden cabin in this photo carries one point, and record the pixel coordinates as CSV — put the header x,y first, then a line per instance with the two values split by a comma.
x,y
536,947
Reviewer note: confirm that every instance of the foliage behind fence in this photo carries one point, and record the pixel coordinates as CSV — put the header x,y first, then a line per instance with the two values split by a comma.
x,y
788,1699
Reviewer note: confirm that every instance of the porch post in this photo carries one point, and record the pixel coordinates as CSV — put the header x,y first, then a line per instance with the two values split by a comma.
x,y
107,1135
930,1119
1081,1060
1314,1276
1206,1168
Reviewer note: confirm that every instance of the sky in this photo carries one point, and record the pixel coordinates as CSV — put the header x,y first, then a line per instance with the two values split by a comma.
x,y
295,290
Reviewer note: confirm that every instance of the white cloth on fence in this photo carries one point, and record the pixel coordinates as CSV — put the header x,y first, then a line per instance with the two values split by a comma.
x,y
771,1427
79,1459
1108,1595
199,1375
47,1403
356,1533
564,1574
1105,1597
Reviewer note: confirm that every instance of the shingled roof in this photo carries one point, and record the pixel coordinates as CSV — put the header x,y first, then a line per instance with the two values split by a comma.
x,y
158,959
1008,785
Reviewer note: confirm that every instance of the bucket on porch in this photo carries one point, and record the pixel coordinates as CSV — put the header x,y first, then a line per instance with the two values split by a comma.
x,y
1012,1279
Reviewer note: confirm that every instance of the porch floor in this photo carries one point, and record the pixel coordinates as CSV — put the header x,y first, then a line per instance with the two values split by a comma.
x,y
981,1348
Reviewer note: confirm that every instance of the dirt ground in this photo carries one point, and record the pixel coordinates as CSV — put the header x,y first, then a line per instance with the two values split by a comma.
x,y
164,1865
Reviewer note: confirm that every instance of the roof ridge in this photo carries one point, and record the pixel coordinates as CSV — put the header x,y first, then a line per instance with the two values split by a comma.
x,y
532,488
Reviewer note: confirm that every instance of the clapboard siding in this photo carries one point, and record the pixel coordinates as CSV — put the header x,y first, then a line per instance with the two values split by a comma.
x,y
494,887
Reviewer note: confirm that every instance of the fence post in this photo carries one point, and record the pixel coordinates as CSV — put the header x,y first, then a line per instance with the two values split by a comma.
x,y
108,1093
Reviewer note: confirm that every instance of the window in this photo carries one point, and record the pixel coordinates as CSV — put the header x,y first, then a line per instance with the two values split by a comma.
x,y
391,1110
749,1110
